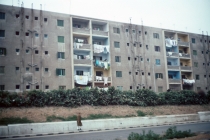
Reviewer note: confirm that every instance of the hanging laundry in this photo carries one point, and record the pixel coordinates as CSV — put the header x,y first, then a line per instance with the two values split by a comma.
x,y
105,65
168,42
180,54
82,80
105,80
170,53
98,78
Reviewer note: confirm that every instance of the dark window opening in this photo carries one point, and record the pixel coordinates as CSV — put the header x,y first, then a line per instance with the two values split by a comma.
x,y
130,87
37,86
27,17
140,45
2,33
17,68
146,33
99,73
36,52
143,87
46,87
2,87
134,44
139,32
203,63
142,73
27,51
137,87
150,87
37,69
127,44
129,58
136,73
204,76
17,15
126,30
27,34
46,52
17,50
28,87
129,73
36,18
17,86
205,41
45,19
147,47
202,52
135,58
149,73
46,69
17,32
2,15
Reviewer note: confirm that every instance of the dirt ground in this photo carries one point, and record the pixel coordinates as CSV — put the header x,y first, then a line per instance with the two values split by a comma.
x,y
37,114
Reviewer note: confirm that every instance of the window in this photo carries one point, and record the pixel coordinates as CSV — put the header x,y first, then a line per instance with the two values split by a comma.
x,y
99,73
143,87
116,30
36,18
27,51
46,86
46,52
160,89
2,51
157,61
134,31
27,86
61,55
195,64
197,77
60,72
135,58
139,32
17,50
17,15
117,59
142,59
159,75
204,64
17,33
150,87
37,86
193,40
126,30
36,35
136,73
202,52
17,87
118,73
148,73
140,45
27,17
157,48
200,40
134,44
17,68
130,87
62,87
1,69
142,73
46,69
27,68
61,39
156,35
27,34
204,76
37,69
119,88
198,88
117,44
36,51
129,73
146,33
79,72
2,15
2,33
45,19
60,23
2,87
147,47
194,52
129,58
45,35
127,44
148,59
137,87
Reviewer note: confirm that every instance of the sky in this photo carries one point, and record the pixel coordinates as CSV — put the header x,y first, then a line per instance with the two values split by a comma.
x,y
182,15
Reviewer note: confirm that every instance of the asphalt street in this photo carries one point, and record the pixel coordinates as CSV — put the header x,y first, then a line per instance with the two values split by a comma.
x,y
121,134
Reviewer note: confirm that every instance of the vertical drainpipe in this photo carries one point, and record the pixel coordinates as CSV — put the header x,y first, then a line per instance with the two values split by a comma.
x,y
71,48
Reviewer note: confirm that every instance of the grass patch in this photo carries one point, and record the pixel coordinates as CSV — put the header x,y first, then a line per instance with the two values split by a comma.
x,y
14,120
53,118
140,113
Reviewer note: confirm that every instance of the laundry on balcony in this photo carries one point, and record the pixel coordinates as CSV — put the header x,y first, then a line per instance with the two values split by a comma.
x,y
105,88
78,45
100,48
180,54
170,53
99,78
170,42
105,80
81,56
188,82
102,64
81,79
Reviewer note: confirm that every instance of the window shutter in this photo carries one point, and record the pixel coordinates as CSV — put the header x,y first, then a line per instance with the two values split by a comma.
x,y
57,71
161,75
156,75
63,55
57,54
63,71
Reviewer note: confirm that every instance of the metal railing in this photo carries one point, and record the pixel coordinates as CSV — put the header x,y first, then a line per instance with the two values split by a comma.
x,y
181,43
174,80
81,46
95,79
173,67
184,55
103,33
173,54
186,68
82,61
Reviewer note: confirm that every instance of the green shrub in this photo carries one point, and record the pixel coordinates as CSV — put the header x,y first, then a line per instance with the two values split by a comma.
x,y
140,113
14,120
149,136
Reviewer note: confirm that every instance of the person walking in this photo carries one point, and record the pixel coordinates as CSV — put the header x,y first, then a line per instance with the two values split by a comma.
x,y
79,123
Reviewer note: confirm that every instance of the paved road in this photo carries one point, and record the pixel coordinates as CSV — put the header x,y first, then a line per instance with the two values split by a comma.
x,y
120,133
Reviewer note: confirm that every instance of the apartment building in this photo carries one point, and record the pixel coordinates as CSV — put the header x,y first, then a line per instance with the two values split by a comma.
x,y
45,50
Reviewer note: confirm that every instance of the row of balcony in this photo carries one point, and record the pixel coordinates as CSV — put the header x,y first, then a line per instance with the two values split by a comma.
x,y
179,67
174,54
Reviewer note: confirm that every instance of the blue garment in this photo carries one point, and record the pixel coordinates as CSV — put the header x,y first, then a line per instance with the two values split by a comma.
x,y
97,62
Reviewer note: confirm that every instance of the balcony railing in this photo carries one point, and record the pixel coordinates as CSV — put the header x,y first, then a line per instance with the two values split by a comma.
x,y
181,43
82,61
184,55
186,68
103,33
174,80
101,79
173,67
81,30
172,54
81,46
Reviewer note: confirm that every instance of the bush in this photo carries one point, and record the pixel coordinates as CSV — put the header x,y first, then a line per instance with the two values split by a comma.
x,y
149,136
14,120
140,113
173,133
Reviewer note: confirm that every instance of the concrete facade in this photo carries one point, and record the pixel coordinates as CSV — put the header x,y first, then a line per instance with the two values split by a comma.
x,y
59,51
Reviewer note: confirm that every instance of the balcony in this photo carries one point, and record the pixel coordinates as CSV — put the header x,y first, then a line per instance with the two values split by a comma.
x,y
82,61
181,43
174,54
184,55
99,32
173,67
177,81
82,79
100,79
82,46
101,64
81,30
186,68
